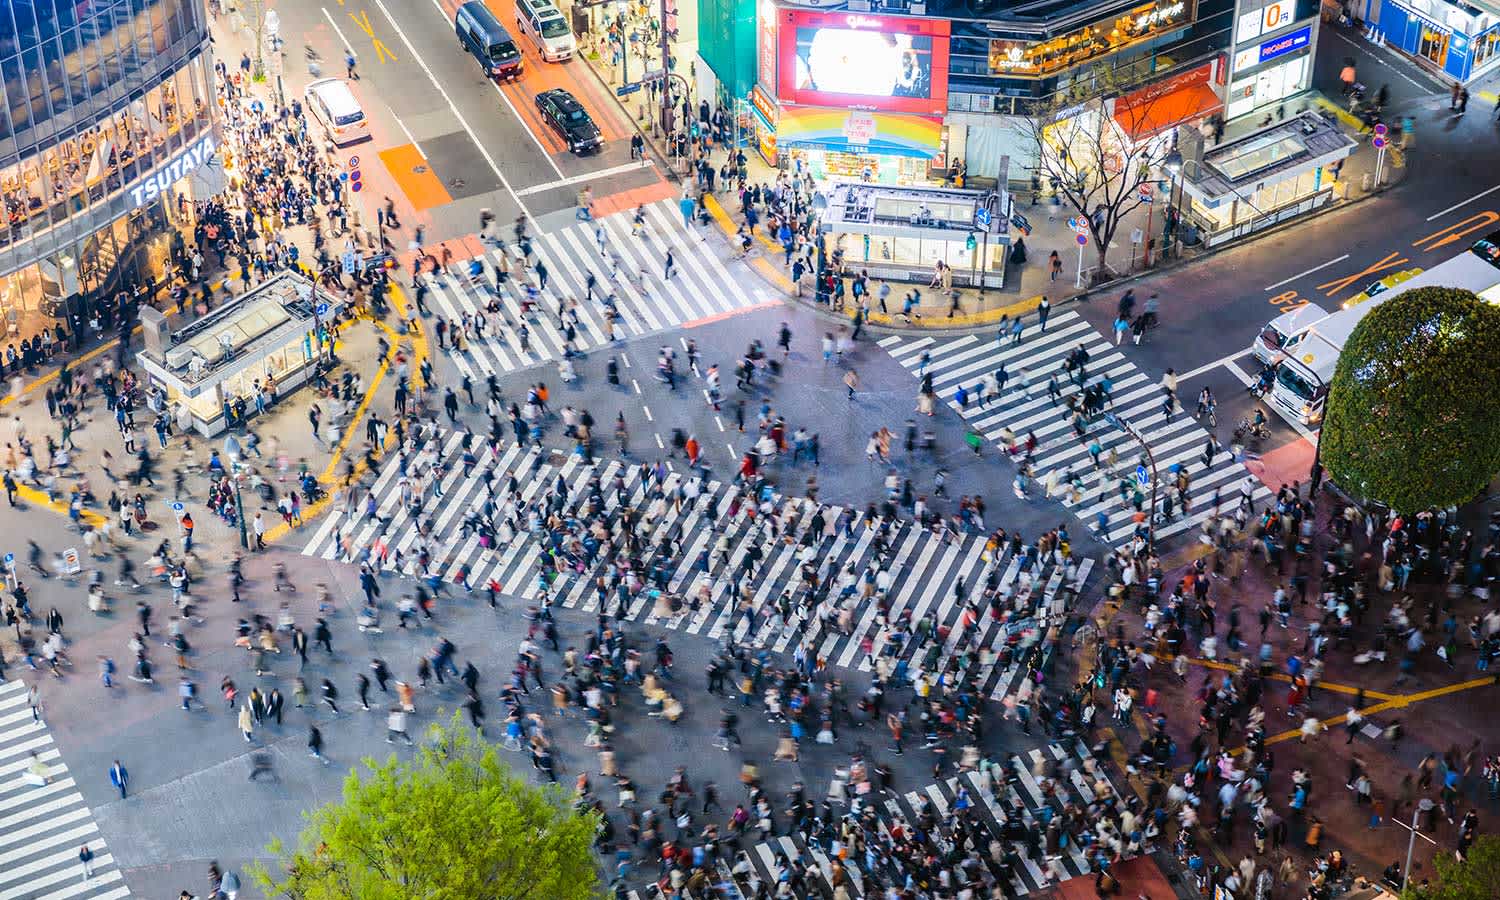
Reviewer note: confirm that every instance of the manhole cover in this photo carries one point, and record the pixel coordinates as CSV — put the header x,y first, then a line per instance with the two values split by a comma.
x,y
457,183
419,169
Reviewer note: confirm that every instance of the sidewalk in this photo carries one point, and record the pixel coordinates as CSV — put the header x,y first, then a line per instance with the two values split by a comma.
x,y
596,52
288,444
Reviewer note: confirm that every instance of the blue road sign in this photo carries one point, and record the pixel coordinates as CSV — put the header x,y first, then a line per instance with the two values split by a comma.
x,y
982,215
1142,476
321,309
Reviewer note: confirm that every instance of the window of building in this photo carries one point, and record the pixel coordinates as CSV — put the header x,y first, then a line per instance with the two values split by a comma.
x,y
1433,45
1484,47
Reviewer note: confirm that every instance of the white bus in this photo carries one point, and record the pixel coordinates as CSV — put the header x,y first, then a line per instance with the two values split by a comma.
x,y
1301,386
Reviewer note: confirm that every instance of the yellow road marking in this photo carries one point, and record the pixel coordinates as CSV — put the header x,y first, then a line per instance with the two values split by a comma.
x,y
363,21
39,498
1390,261
1453,233
73,364
1282,677
329,478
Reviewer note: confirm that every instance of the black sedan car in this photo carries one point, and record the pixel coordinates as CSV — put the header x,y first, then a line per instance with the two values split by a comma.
x,y
570,120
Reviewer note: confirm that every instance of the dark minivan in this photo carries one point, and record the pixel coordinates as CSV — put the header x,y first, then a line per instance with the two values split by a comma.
x,y
482,35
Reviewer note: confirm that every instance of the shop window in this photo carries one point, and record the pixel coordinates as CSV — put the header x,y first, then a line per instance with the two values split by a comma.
x,y
906,251
1433,45
1484,48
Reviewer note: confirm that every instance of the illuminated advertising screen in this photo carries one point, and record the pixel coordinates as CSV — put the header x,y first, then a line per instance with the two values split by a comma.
x,y
869,62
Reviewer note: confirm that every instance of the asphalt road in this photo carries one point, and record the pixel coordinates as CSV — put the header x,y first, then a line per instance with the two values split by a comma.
x,y
485,142
1212,310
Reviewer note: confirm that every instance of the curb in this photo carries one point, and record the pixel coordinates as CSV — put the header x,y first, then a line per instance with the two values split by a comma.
x,y
877,321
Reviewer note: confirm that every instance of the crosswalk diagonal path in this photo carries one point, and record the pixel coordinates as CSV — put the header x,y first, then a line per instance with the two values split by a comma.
x,y
1043,808
979,605
629,265
1177,441
44,821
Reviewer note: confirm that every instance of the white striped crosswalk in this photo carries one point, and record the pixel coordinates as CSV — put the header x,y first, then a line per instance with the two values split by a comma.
x,y
43,819
1013,804
1176,441
931,574
645,302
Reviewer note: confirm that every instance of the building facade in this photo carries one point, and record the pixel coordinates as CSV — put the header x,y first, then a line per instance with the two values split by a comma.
x,y
897,91
107,109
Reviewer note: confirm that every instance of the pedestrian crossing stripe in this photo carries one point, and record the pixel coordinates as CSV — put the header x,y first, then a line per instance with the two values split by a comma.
x,y
985,794
1175,439
701,287
927,568
43,826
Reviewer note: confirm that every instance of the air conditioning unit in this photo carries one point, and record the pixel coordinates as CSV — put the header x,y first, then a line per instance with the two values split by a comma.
x,y
179,357
859,5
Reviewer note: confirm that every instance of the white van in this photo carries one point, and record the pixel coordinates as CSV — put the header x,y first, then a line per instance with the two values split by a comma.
x,y
332,103
546,26
1284,332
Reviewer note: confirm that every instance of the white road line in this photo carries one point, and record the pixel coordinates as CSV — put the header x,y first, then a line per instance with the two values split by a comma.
x,y
513,111
1368,48
1272,287
588,176
647,410
484,151
1464,203
1210,366
1242,375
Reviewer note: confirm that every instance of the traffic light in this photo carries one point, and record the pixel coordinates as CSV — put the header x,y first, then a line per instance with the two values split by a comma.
x,y
969,242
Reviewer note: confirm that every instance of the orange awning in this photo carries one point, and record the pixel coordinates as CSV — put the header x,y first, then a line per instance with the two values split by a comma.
x,y
1167,111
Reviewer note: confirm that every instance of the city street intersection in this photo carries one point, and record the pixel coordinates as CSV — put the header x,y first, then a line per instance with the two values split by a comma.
x,y
189,799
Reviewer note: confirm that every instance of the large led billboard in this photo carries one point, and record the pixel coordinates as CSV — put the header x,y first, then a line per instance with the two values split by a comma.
x,y
851,60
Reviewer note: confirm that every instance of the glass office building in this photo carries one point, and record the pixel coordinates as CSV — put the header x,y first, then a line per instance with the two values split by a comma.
x,y
106,108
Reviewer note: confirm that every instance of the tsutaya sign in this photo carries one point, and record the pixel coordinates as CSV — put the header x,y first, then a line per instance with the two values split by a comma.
x,y
185,163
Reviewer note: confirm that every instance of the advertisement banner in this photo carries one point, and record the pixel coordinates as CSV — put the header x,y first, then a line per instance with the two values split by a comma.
x,y
765,44
853,131
857,61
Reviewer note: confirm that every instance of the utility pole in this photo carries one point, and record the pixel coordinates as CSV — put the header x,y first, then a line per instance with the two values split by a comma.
x,y
666,68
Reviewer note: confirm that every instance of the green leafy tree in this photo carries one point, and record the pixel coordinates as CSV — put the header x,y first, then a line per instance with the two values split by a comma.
x,y
1414,407
453,823
1477,877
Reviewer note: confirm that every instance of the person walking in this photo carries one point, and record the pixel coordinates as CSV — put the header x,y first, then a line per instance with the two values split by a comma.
x,y
119,777
260,764
86,858
315,744
851,381
247,723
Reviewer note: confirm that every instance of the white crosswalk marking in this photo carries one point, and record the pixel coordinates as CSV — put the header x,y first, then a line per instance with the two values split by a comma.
x,y
43,824
646,301
694,546
1009,803
1177,441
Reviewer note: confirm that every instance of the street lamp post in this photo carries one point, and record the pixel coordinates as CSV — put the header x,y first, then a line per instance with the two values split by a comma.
x,y
620,10
1422,806
239,505
1173,164
1136,436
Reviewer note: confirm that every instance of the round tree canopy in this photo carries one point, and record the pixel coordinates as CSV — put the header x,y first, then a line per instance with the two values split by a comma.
x,y
1413,416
